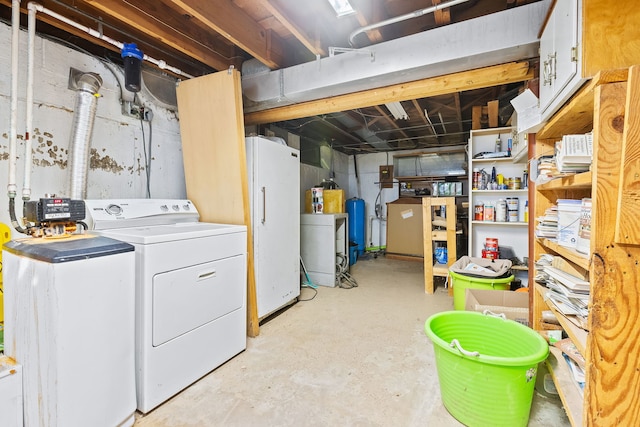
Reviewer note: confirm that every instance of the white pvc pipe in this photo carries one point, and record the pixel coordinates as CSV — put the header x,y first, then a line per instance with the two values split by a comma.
x,y
13,134
38,7
28,132
158,62
404,17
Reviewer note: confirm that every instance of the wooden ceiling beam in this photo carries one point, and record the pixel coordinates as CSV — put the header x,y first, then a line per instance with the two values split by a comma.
x,y
84,14
442,16
456,103
312,45
466,80
161,23
366,14
236,26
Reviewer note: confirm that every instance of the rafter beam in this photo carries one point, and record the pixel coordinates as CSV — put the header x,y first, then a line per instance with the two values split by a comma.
x,y
312,45
368,17
84,14
456,103
467,80
442,16
158,21
236,26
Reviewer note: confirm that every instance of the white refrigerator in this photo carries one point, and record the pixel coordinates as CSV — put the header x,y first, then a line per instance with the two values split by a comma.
x,y
274,186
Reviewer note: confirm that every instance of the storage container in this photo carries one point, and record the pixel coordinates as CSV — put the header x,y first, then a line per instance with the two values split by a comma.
x,y
460,283
487,367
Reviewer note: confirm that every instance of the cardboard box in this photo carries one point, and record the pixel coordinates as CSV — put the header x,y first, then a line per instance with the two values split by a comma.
x,y
514,305
333,201
404,227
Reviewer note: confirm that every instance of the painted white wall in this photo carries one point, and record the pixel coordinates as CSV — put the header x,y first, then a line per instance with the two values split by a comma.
x,y
367,187
118,167
337,166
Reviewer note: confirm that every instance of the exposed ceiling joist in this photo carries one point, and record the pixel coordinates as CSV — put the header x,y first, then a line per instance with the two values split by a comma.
x,y
312,45
159,21
442,16
236,26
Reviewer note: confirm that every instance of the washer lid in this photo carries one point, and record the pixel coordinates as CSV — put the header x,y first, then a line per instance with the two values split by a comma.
x,y
75,248
171,232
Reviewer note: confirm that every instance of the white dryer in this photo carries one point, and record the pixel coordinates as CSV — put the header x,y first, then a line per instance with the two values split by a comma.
x,y
190,290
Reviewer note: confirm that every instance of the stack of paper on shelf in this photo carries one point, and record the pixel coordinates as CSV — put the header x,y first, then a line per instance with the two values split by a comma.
x,y
568,221
548,223
546,169
574,153
583,242
568,293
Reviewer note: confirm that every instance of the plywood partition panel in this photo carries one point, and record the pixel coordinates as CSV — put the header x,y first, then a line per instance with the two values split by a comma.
x,y
214,157
212,132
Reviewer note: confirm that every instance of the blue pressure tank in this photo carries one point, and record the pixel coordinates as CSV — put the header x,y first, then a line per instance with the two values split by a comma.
x,y
355,209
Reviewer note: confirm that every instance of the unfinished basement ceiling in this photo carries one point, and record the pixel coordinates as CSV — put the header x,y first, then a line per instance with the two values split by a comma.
x,y
200,37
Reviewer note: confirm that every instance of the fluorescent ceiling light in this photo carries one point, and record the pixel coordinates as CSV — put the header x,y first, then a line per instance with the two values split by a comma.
x,y
396,109
342,7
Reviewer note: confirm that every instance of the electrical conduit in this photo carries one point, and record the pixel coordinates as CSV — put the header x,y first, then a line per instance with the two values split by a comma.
x,y
414,14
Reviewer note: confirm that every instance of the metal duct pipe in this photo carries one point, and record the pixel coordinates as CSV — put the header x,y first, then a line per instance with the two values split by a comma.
x,y
404,17
84,114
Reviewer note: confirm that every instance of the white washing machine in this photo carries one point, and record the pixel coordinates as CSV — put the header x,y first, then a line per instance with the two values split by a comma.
x,y
69,322
190,290
10,393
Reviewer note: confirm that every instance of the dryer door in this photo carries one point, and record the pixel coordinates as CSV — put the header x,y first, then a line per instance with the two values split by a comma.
x,y
188,298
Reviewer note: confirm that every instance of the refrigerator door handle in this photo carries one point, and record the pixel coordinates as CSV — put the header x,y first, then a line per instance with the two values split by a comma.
x,y
264,204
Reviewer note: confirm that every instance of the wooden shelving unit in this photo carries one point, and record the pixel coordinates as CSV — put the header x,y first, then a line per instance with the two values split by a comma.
x,y
610,345
431,235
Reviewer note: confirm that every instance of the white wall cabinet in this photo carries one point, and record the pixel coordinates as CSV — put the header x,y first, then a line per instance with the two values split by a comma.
x,y
322,236
560,59
513,234
581,38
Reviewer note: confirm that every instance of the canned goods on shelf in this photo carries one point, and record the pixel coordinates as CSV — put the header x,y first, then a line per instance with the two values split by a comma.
x,y
501,211
478,211
489,213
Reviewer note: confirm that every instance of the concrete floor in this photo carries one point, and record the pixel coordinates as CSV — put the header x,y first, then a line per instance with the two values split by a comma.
x,y
348,357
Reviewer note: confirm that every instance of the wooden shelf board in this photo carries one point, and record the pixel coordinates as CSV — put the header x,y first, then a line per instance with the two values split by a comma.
x,y
577,335
567,388
572,255
521,190
494,159
500,223
440,270
520,267
580,180
492,131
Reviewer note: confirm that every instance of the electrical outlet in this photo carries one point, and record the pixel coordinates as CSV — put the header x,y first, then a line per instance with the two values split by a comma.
x,y
132,110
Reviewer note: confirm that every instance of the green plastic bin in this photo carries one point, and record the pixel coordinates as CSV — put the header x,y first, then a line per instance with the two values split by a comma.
x,y
460,282
487,367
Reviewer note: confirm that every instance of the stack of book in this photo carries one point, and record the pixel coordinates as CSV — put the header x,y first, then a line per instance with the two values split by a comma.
x,y
574,153
547,225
